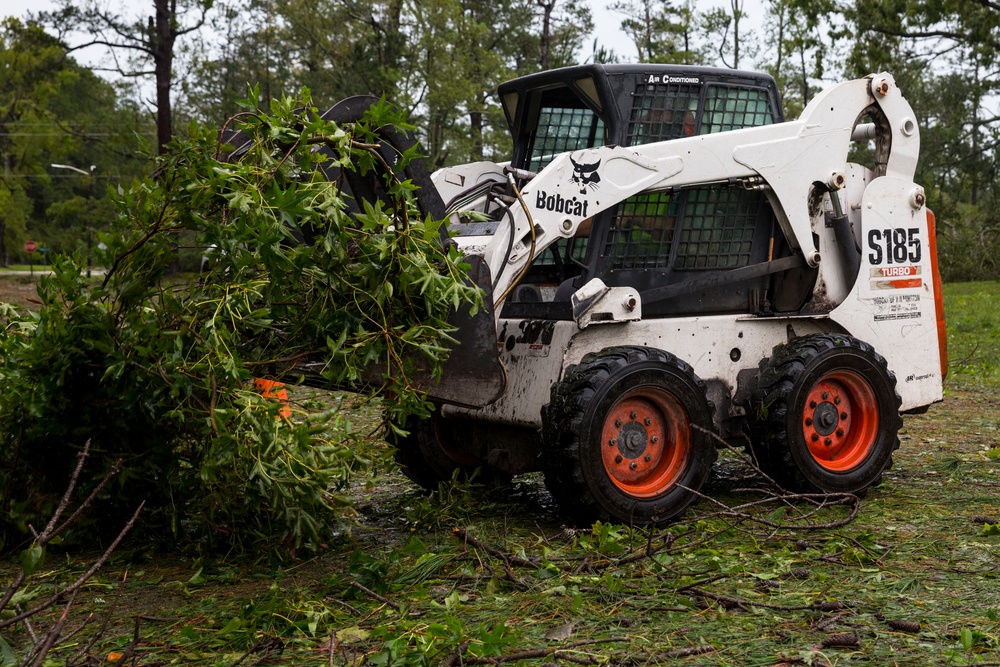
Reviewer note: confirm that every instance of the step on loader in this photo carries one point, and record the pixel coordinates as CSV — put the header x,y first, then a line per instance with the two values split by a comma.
x,y
669,266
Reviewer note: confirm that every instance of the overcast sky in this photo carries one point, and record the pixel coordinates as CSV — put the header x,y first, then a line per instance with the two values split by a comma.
x,y
607,23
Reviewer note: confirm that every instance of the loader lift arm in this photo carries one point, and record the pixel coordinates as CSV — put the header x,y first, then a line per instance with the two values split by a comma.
x,y
780,159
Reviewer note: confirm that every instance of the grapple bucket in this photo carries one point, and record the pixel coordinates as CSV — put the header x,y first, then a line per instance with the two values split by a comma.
x,y
472,375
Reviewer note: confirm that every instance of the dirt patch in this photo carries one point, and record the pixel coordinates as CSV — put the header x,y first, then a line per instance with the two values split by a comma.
x,y
20,291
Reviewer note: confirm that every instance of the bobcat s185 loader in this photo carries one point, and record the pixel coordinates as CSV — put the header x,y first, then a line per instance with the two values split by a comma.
x,y
669,265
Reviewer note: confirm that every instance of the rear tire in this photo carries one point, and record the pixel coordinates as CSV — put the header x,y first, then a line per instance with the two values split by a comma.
x,y
620,437
828,415
428,455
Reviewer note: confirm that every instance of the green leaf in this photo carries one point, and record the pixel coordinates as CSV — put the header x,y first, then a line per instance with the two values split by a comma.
x,y
197,579
32,558
233,625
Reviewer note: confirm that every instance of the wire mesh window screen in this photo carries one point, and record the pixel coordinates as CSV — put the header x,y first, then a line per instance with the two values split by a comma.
x,y
661,112
577,252
729,108
642,232
563,129
718,228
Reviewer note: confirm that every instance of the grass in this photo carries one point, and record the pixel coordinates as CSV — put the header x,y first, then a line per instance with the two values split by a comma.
x,y
469,575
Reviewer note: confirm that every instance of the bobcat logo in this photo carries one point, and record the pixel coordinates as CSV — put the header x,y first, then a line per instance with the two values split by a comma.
x,y
585,175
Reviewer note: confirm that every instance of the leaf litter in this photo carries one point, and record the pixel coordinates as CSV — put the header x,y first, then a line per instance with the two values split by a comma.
x,y
907,576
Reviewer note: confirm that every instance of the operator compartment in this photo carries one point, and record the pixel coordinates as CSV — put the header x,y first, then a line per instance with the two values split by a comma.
x,y
690,250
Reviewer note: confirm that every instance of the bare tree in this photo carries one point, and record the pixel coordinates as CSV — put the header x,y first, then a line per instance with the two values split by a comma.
x,y
138,46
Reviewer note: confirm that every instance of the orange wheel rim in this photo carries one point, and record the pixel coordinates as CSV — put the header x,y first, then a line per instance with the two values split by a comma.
x,y
840,420
646,442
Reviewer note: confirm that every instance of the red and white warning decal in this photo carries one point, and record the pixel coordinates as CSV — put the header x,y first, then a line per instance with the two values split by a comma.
x,y
896,277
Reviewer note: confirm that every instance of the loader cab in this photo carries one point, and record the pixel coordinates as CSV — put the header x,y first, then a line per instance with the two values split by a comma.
x,y
686,238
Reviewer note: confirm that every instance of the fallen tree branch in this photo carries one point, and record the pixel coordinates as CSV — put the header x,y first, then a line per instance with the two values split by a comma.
x,y
730,602
509,559
372,594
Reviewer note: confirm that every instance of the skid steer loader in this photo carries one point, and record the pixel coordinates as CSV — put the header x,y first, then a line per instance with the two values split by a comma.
x,y
669,265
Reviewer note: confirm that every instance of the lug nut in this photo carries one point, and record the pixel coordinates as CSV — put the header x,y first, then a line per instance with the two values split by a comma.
x,y
809,421
828,442
837,400
647,421
843,415
826,395
812,404
618,459
632,415
633,465
815,437
618,423
647,458
613,441
654,439
840,433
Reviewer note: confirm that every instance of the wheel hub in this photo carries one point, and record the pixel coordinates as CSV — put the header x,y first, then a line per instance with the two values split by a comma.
x,y
643,448
632,440
826,418
840,420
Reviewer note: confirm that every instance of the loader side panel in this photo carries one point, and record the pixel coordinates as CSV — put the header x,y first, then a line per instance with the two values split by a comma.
x,y
892,304
537,354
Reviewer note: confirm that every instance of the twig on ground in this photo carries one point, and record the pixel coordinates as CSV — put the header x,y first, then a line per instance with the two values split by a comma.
x,y
829,622
565,652
372,594
464,536
685,652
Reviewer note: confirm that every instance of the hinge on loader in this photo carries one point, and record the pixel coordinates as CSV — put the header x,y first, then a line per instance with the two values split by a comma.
x,y
596,303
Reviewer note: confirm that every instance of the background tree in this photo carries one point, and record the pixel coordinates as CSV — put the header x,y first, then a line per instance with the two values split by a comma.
x,y
136,43
799,53
54,111
664,32
247,43
722,26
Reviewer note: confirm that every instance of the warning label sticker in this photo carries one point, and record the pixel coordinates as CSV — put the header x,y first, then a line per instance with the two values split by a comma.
x,y
896,277
897,316
896,307
895,271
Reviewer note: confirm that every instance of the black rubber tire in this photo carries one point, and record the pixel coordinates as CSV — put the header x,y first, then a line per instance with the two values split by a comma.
x,y
428,457
852,441
622,382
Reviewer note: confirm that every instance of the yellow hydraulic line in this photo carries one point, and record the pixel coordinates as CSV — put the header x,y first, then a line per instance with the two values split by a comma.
x,y
531,251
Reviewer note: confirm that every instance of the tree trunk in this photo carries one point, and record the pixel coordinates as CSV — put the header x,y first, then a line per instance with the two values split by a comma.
x,y
737,15
476,122
163,59
545,39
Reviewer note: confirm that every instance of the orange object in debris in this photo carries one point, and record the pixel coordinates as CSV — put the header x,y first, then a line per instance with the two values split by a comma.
x,y
275,390
114,656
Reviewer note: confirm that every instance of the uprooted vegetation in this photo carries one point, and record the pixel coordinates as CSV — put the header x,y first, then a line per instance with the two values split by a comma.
x,y
159,372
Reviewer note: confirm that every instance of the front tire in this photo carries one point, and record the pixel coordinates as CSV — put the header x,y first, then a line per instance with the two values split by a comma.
x,y
828,415
627,437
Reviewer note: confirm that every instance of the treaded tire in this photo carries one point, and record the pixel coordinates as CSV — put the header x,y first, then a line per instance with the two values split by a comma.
x,y
827,415
619,437
428,456
422,458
